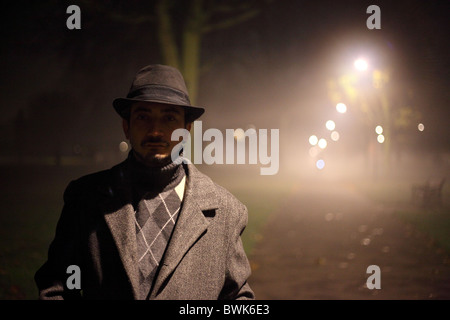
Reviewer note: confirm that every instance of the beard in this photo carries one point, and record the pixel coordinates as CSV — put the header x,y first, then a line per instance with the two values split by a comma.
x,y
153,160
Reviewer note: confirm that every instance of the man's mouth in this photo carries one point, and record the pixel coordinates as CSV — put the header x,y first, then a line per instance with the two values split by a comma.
x,y
149,144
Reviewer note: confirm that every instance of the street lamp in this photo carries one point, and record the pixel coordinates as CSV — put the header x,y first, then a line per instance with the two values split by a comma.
x,y
361,64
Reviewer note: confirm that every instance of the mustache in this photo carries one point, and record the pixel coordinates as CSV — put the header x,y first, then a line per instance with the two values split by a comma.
x,y
155,140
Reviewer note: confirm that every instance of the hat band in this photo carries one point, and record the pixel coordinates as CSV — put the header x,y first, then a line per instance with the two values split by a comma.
x,y
160,93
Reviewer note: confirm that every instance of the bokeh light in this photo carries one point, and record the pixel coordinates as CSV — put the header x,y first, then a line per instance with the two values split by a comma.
x,y
322,143
379,129
123,146
320,164
313,140
330,125
421,127
335,136
341,108
380,138
314,151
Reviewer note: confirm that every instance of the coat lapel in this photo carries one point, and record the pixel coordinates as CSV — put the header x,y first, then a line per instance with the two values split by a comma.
x,y
191,224
119,216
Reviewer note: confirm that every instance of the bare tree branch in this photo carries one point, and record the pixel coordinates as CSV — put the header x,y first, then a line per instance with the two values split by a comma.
x,y
129,19
224,8
118,15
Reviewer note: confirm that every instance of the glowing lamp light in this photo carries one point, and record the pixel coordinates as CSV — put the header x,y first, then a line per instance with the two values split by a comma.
x,y
379,129
341,108
421,127
361,65
380,138
330,125
313,140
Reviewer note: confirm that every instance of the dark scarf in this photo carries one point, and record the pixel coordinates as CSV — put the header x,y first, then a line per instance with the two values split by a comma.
x,y
150,181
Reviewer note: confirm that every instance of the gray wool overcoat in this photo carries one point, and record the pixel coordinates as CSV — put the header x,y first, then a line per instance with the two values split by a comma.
x,y
204,260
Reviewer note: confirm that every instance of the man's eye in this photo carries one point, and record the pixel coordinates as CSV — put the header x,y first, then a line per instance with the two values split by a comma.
x,y
141,117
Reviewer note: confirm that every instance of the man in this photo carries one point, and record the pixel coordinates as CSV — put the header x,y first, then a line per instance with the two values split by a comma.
x,y
151,227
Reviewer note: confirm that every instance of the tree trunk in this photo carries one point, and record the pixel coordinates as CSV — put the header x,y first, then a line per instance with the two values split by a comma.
x,y
191,46
166,35
191,62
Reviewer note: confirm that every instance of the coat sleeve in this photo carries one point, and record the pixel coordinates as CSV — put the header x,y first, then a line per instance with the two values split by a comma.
x,y
51,278
238,268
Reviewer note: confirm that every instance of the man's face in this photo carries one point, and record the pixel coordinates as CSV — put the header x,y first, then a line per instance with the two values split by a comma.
x,y
149,131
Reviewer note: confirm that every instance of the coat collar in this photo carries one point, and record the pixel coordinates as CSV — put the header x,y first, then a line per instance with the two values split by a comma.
x,y
199,198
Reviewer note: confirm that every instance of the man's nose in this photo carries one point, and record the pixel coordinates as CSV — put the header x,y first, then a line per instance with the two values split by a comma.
x,y
155,129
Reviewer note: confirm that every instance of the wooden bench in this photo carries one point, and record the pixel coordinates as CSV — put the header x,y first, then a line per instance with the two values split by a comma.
x,y
429,193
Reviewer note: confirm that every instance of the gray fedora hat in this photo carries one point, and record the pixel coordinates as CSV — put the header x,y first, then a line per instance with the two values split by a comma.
x,y
159,84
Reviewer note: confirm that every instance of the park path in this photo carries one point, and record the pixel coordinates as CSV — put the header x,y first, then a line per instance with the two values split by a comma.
x,y
318,246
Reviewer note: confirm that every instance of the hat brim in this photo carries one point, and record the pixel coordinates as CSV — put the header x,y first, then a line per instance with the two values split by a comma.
x,y
123,105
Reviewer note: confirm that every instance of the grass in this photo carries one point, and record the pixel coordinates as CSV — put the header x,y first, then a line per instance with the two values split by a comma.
x,y
31,205
261,202
434,221
435,224
390,193
24,241
262,195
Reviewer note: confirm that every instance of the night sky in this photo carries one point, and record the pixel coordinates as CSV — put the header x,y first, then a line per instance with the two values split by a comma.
x,y
268,71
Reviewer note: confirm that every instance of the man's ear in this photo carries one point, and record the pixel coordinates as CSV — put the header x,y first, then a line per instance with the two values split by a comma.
x,y
188,126
126,128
